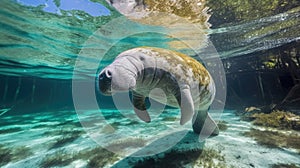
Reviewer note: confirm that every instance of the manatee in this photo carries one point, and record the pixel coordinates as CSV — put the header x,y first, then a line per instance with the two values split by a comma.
x,y
185,82
127,8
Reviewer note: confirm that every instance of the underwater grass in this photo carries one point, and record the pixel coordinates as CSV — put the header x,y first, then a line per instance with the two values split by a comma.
x,y
223,125
211,158
21,152
178,159
277,119
63,141
96,157
5,155
126,143
172,159
59,158
13,154
274,139
67,137
100,157
281,165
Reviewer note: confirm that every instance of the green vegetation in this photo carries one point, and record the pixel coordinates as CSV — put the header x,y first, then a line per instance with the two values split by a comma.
x,y
285,166
277,119
274,139
67,137
127,143
5,155
196,157
21,152
64,140
169,118
171,159
13,154
223,125
97,157
59,158
63,132
100,157
211,158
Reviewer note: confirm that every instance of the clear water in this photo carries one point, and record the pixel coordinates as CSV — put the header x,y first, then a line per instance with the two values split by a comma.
x,y
51,46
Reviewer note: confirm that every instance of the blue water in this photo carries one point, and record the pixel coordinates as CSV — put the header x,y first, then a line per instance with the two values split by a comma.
x,y
46,46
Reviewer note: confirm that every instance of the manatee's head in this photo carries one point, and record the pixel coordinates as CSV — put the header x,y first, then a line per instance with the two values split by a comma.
x,y
120,76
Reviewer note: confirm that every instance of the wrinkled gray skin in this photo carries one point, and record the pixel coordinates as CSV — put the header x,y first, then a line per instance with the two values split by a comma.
x,y
141,70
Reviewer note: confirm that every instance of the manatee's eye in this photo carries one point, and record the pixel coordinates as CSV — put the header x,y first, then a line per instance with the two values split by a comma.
x,y
142,58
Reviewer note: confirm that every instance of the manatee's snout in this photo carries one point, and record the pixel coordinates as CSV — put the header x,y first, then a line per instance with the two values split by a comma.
x,y
104,81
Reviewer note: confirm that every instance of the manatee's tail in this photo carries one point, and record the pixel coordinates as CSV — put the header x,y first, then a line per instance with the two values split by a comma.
x,y
204,125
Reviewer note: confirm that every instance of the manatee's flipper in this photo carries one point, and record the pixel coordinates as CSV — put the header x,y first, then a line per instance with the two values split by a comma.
x,y
204,125
185,101
140,107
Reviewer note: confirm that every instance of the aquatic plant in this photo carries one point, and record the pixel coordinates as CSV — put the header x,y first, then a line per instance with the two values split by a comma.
x,y
40,126
281,165
96,157
182,158
21,152
59,158
277,119
8,154
5,155
223,125
99,157
196,157
10,130
169,118
274,139
65,139
171,158
211,158
127,143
